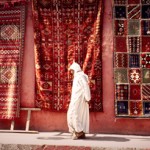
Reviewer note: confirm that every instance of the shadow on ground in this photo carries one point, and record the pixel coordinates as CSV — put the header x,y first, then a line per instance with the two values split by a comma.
x,y
93,138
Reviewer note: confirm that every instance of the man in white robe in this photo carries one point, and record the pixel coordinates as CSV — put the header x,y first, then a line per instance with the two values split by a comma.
x,y
78,111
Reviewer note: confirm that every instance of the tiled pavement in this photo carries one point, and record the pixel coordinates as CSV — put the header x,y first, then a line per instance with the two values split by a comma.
x,y
63,141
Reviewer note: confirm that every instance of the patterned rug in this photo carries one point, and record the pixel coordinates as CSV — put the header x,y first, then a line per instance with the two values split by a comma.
x,y
131,20
66,31
12,28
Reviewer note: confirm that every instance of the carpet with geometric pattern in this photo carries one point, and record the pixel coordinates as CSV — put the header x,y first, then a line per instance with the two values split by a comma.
x,y
12,29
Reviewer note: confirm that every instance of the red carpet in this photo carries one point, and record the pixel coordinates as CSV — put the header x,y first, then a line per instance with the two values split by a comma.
x,y
66,31
12,29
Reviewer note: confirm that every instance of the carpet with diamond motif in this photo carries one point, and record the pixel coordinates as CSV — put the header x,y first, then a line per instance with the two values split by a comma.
x,y
12,28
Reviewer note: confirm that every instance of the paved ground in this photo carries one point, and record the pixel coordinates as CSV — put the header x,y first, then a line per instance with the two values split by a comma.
x,y
59,140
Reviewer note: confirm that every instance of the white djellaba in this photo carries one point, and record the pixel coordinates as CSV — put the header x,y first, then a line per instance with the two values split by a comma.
x,y
78,111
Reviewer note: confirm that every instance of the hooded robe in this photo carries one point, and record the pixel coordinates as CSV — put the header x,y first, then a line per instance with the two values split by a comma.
x,y
78,111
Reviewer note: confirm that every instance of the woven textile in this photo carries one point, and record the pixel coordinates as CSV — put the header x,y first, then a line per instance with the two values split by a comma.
x,y
12,27
66,31
131,20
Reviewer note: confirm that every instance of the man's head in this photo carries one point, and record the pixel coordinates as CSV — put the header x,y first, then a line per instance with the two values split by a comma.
x,y
75,67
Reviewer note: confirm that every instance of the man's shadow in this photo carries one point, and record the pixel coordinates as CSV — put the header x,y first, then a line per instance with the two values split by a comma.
x,y
94,137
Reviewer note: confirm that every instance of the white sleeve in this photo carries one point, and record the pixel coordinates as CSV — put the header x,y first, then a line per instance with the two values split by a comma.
x,y
86,88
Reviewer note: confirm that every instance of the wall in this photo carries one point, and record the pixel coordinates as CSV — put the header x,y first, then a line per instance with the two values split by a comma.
x,y
103,122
